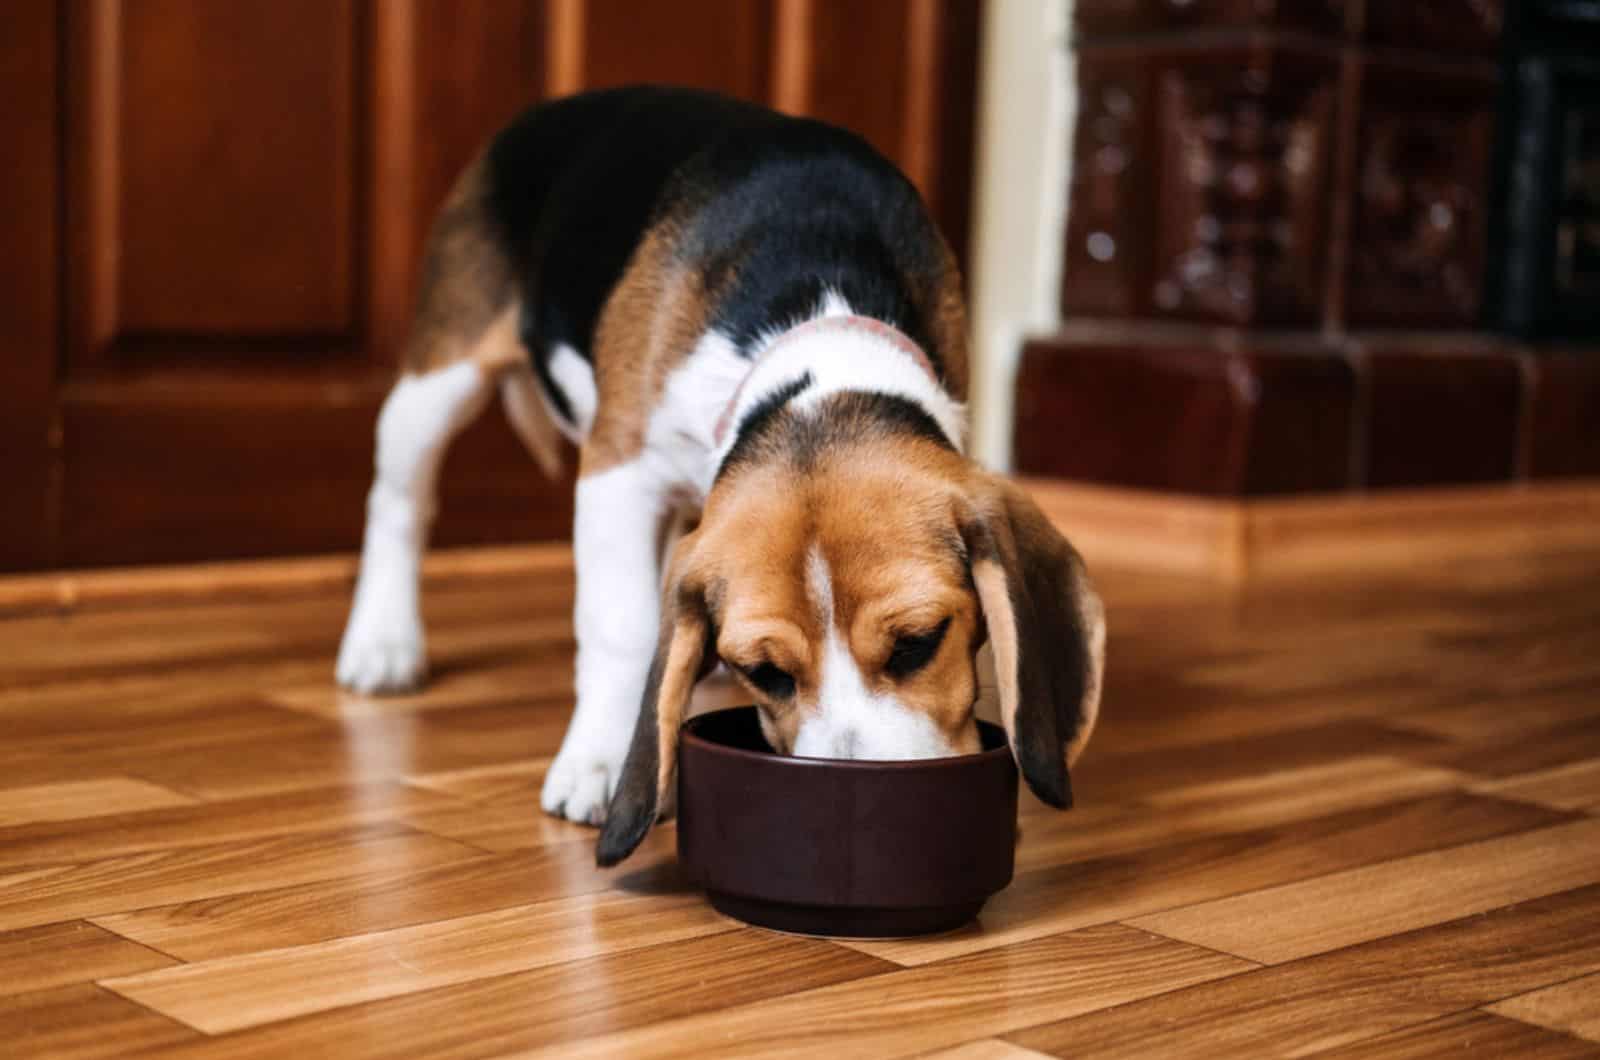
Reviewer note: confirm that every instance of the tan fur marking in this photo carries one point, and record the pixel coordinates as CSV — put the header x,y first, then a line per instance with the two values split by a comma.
x,y
946,323
1033,535
466,285
990,579
499,347
677,683
1092,614
650,323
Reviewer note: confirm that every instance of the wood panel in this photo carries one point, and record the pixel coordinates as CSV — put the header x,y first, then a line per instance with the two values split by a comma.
x,y
83,798
1341,909
168,470
215,152
126,830
829,80
1073,893
70,952
443,78
307,914
369,751
548,1006
83,1021
172,469
1567,787
47,894
605,43
1538,747
1371,780
234,992
1348,995
1463,1034
29,277
915,1010
206,388
1226,807
1573,1006
903,74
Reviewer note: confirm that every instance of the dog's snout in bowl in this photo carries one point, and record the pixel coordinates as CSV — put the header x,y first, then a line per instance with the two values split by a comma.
x,y
843,848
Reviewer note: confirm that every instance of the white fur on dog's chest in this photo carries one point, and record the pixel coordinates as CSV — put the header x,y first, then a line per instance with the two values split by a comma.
x,y
716,385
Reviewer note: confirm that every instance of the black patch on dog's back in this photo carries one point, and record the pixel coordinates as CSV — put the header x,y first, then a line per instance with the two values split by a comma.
x,y
786,213
774,211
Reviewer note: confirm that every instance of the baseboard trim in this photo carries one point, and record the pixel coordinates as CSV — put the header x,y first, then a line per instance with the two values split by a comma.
x,y
1229,540
1237,540
60,591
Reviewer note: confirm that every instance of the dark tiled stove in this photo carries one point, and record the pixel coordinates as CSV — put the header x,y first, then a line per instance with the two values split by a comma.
x,y
1547,282
1324,245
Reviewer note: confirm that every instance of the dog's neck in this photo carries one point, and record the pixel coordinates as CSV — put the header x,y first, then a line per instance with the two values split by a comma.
x,y
835,352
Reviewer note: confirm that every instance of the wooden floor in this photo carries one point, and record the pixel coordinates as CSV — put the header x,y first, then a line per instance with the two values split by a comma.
x,y
1350,820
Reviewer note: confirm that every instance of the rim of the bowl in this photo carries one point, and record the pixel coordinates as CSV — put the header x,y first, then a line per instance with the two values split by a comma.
x,y
878,765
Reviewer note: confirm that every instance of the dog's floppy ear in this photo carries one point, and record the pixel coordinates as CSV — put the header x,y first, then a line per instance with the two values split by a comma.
x,y
1047,628
683,652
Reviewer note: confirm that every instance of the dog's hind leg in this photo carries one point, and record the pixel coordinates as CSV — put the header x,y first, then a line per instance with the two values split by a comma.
x,y
462,341
382,649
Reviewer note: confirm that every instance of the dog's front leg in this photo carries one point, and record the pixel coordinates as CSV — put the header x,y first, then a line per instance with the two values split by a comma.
x,y
619,514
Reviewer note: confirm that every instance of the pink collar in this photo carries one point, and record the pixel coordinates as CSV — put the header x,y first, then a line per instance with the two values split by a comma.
x,y
841,323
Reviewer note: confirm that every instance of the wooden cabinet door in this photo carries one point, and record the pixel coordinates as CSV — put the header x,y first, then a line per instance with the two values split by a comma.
x,y
227,214
30,257
246,187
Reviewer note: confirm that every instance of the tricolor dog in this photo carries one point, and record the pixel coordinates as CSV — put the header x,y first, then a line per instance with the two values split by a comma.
x,y
755,334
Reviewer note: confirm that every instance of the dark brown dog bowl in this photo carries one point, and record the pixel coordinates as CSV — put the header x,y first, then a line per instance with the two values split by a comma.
x,y
841,848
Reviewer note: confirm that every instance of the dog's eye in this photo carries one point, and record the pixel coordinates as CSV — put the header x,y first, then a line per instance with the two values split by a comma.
x,y
774,682
914,651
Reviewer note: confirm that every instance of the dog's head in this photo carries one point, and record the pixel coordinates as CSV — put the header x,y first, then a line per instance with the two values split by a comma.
x,y
849,582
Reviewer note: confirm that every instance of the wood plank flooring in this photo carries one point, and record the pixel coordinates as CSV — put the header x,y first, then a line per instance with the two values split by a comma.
x,y
1348,818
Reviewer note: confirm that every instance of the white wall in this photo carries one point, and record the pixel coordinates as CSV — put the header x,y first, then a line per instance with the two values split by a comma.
x,y
1027,104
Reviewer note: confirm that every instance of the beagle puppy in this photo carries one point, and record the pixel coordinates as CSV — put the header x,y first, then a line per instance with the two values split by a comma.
x,y
749,325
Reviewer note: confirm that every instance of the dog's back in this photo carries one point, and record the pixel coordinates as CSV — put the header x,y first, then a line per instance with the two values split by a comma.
x,y
551,214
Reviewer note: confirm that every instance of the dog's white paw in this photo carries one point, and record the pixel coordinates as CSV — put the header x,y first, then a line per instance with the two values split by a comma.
x,y
582,779
382,651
